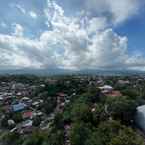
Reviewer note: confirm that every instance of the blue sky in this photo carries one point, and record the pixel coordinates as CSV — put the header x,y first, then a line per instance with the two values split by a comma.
x,y
74,34
134,29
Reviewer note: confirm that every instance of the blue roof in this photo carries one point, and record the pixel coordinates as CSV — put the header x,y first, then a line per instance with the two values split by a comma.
x,y
19,107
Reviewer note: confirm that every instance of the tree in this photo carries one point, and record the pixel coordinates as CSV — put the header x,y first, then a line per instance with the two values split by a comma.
x,y
58,121
127,137
4,122
99,114
56,138
93,94
81,111
107,130
36,121
130,92
49,105
93,139
80,132
17,117
11,139
37,138
121,108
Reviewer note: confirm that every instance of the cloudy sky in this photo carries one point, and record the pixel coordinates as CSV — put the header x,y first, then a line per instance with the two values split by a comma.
x,y
72,34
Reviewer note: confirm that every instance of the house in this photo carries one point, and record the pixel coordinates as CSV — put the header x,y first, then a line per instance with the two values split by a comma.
x,y
106,89
140,117
19,94
38,113
11,122
123,82
27,123
61,97
113,94
19,107
27,115
25,99
1,98
100,82
36,104
27,130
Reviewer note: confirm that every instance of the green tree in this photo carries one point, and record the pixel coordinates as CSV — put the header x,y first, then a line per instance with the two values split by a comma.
x,y
58,121
37,138
99,115
81,111
127,137
107,130
11,139
36,121
80,132
121,108
56,138
17,117
4,122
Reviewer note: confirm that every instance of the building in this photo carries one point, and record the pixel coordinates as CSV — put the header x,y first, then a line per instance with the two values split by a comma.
x,y
106,89
123,82
27,123
27,115
19,107
140,117
113,94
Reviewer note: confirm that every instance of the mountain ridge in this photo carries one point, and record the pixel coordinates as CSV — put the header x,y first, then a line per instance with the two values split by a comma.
x,y
67,71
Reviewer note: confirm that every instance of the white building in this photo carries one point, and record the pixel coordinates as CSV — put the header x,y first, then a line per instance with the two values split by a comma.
x,y
140,117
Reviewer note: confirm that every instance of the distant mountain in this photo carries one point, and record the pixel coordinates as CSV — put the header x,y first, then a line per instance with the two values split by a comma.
x,y
65,72
35,71
112,72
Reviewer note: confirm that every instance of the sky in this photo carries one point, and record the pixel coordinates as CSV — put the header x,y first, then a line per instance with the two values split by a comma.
x,y
72,34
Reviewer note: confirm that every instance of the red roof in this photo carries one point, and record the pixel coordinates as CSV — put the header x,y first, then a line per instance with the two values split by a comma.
x,y
114,94
27,114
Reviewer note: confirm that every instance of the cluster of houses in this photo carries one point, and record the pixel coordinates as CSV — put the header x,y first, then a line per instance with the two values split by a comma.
x,y
18,110
23,113
107,90
62,100
139,117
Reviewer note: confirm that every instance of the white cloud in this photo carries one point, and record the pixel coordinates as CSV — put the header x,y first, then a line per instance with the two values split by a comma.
x,y
33,14
117,11
72,42
20,8
18,30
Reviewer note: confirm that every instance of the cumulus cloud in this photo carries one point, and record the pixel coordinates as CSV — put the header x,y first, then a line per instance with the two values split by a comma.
x,y
72,43
124,9
18,30
117,11
33,14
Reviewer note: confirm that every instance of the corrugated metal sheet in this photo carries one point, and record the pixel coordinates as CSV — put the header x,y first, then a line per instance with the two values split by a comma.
x,y
18,107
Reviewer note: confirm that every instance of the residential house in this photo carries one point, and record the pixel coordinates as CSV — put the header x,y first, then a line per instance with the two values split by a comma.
x,y
27,115
19,107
